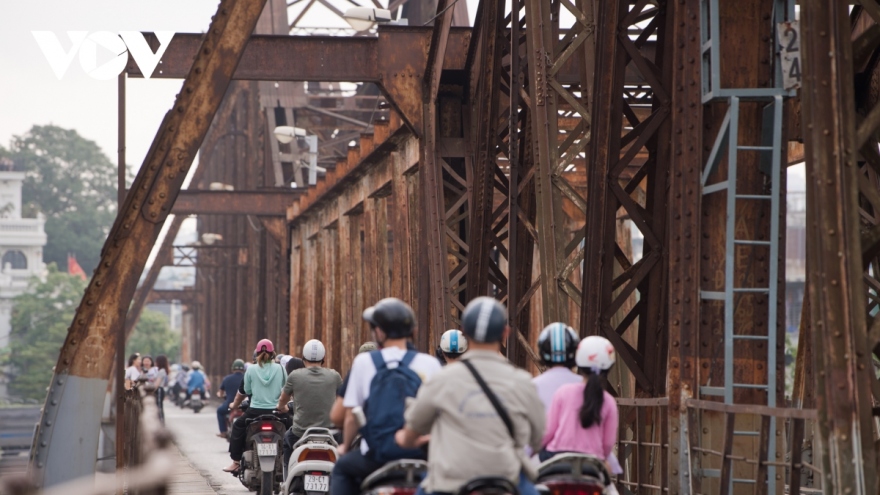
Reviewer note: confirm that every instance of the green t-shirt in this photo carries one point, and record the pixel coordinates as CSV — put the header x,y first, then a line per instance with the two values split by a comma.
x,y
313,391
263,384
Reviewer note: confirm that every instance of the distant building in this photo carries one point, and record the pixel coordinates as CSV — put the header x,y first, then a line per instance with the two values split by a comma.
x,y
21,251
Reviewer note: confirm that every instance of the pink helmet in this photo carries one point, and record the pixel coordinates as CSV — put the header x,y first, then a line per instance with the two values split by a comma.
x,y
264,345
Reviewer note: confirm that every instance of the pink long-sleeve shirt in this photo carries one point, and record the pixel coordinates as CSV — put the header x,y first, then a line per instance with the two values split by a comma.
x,y
564,432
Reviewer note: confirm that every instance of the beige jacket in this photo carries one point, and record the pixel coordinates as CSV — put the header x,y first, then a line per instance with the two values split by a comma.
x,y
468,438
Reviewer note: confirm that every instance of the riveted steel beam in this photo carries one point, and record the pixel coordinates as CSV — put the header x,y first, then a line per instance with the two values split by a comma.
x,y
837,300
271,202
73,406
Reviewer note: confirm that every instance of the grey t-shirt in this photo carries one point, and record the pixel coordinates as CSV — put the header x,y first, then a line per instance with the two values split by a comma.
x,y
313,391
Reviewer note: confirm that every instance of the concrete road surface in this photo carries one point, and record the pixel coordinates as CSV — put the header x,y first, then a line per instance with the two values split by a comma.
x,y
195,435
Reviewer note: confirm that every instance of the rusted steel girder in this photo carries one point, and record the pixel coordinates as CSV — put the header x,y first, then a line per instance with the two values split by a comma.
x,y
337,58
837,301
612,187
485,77
269,202
76,394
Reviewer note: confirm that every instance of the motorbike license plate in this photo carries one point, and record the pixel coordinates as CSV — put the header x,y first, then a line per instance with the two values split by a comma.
x,y
317,483
267,449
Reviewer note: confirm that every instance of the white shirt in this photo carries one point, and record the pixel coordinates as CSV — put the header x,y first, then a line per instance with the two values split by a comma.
x,y
132,373
363,370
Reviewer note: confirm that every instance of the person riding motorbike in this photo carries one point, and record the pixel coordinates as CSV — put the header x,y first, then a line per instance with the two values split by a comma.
x,y
263,382
196,381
480,416
313,388
228,390
452,345
391,320
557,345
583,417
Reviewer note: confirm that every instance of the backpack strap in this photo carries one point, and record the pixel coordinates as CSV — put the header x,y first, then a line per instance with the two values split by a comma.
x,y
378,360
408,358
499,408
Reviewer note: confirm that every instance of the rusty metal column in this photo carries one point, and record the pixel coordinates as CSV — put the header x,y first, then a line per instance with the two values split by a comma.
x,y
544,133
837,300
76,394
683,237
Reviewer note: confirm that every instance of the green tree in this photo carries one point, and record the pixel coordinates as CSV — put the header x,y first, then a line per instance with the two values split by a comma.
x,y
73,183
153,336
40,319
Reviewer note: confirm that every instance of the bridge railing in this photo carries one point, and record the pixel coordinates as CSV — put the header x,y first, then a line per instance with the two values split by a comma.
x,y
725,454
147,458
773,458
642,445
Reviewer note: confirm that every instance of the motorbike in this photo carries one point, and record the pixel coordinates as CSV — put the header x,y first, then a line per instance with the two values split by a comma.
x,y
573,474
489,486
261,464
196,402
311,463
401,477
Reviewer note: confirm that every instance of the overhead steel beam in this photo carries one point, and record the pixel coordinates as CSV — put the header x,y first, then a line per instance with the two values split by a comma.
x,y
342,59
79,383
267,203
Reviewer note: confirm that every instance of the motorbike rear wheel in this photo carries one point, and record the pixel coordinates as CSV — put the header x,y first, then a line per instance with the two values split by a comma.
x,y
267,483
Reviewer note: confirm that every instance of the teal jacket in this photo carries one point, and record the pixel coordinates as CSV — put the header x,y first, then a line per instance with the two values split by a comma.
x,y
263,384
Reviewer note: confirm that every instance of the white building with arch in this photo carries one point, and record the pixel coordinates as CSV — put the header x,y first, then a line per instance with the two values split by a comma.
x,y
21,251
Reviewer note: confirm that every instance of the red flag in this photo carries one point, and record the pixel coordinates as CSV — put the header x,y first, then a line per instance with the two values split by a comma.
x,y
73,267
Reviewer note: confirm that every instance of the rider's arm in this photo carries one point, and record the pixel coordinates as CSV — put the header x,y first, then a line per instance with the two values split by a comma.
x,y
337,413
349,428
282,402
406,438
237,402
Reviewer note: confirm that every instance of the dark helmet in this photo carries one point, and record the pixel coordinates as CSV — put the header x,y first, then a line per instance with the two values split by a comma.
x,y
557,345
393,316
484,320
238,365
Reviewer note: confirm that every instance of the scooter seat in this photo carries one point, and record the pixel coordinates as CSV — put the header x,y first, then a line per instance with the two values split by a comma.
x,y
579,465
489,485
410,471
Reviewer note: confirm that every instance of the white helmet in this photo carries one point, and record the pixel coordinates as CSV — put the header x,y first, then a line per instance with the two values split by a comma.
x,y
284,359
453,342
595,353
196,365
314,351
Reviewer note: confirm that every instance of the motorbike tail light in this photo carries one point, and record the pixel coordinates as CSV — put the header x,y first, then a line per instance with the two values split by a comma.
x,y
395,490
573,488
317,455
266,427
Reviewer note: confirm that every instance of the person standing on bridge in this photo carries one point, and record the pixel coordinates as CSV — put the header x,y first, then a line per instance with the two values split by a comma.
x,y
263,382
132,373
161,382
228,390
314,389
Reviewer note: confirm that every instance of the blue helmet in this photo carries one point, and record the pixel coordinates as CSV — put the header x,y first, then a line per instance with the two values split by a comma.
x,y
557,345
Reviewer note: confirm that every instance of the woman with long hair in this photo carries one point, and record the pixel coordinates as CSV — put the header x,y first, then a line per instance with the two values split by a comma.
x,y
161,381
263,382
583,417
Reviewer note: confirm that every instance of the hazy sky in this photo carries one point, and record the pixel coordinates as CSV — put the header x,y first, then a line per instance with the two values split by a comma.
x,y
32,94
